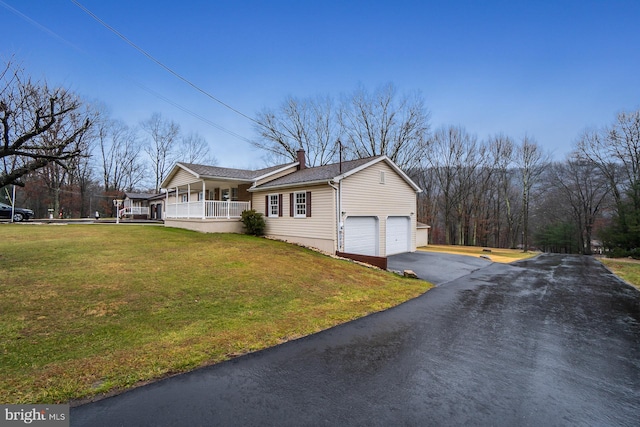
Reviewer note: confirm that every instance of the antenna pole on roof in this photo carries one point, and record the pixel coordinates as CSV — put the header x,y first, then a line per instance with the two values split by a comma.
x,y
340,149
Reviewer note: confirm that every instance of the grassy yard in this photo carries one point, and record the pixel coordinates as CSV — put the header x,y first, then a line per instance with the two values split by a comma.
x,y
88,309
627,269
496,255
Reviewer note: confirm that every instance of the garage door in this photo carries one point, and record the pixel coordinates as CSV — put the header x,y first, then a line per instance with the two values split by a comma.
x,y
398,234
361,235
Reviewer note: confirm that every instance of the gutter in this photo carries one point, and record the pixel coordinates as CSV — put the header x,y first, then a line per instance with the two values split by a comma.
x,y
290,185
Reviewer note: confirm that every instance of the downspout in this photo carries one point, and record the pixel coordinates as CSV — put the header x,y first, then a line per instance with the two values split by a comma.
x,y
338,207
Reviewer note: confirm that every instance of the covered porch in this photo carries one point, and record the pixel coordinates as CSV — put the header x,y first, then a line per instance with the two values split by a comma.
x,y
207,209
207,199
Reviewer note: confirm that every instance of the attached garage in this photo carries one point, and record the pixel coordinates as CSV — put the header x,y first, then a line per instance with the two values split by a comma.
x,y
398,235
361,235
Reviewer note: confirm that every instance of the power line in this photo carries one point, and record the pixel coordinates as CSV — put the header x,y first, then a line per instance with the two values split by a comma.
x,y
152,58
154,93
37,24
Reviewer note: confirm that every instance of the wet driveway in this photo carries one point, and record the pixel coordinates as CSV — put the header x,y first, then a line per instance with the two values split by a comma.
x,y
554,340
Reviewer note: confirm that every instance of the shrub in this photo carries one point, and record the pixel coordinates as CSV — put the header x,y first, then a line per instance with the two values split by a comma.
x,y
254,223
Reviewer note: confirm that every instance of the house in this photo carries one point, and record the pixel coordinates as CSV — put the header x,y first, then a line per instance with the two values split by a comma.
x,y
365,206
210,198
142,206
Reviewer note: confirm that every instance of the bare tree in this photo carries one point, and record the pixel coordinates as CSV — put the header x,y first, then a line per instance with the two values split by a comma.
x,y
160,148
31,114
195,149
584,190
501,151
616,152
454,163
310,124
380,124
530,161
120,148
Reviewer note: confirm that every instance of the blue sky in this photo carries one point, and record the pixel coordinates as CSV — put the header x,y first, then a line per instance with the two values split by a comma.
x,y
548,69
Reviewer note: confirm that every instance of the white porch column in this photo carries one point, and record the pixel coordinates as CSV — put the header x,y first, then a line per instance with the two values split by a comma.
x,y
188,200
163,213
204,201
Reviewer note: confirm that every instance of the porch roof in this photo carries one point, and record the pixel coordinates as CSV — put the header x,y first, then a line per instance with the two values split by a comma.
x,y
142,196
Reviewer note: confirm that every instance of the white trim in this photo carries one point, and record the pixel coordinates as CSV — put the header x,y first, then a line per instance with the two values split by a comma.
x,y
282,169
336,179
285,186
204,197
277,205
377,160
296,204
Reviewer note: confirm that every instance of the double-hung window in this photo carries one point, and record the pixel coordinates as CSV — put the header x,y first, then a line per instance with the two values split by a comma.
x,y
274,205
300,204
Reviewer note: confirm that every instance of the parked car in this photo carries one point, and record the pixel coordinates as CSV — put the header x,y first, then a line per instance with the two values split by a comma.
x,y
19,214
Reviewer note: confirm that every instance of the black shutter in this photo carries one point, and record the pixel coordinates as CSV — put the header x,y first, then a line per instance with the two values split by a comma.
x,y
291,200
279,204
266,205
308,204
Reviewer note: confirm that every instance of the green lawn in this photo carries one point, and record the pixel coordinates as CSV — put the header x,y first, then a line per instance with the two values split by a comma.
x,y
88,309
626,268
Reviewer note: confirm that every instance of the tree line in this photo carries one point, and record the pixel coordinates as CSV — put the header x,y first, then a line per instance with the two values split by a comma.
x,y
500,191
72,157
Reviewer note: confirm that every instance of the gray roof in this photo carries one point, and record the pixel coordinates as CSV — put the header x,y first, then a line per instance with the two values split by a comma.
x,y
205,171
318,173
140,196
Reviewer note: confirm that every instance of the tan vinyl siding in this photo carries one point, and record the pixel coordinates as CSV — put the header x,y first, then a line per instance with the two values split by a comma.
x,y
320,226
363,194
277,175
182,177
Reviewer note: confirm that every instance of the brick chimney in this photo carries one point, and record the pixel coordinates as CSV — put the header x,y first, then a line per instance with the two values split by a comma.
x,y
301,159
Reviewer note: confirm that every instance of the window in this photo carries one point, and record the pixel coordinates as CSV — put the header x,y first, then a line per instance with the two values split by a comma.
x,y
273,205
300,204
185,198
381,177
234,194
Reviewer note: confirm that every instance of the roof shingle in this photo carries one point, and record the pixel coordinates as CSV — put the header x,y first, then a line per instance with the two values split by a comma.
x,y
318,173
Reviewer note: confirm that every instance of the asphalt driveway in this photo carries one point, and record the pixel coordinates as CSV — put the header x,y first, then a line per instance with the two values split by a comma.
x,y
436,268
553,340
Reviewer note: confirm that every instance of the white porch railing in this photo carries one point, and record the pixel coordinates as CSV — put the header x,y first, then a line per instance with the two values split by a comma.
x,y
134,210
208,209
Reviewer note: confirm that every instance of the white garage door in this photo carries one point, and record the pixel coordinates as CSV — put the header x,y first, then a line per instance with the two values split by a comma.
x,y
361,235
398,234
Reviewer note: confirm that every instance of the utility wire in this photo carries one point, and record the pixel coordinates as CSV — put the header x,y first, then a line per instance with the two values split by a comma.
x,y
152,58
37,24
154,93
